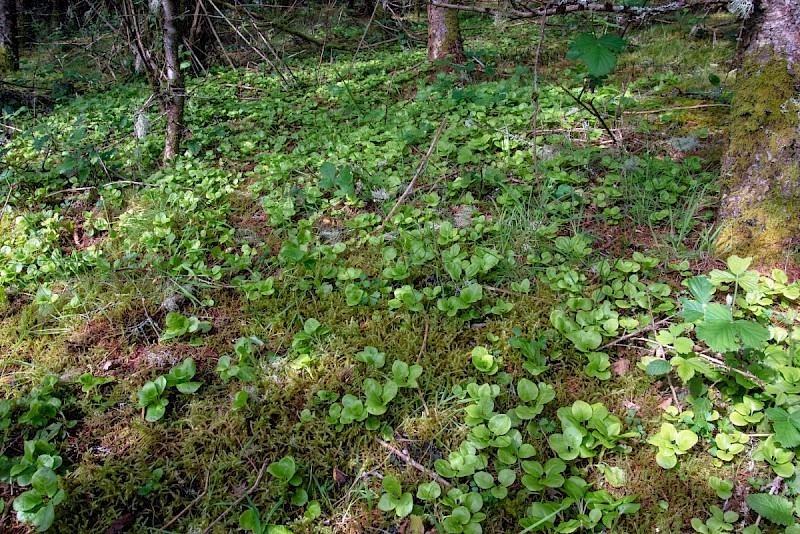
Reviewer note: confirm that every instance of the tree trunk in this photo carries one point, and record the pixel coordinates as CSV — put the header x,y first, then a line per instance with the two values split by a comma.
x,y
175,91
761,169
444,35
9,36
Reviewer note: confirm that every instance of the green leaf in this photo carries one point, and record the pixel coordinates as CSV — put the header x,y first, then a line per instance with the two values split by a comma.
x,y
44,517
249,520
599,56
45,481
785,426
156,411
701,288
188,387
387,502
752,333
581,410
472,293
405,505
239,400
658,367
500,424
527,390
585,340
773,507
311,325
27,501
392,485
738,265
428,491
718,329
284,468
483,480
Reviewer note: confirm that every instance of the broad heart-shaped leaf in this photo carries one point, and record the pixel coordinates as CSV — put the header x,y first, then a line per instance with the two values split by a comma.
x,y
701,288
284,468
527,390
773,507
500,424
718,329
786,427
666,459
599,56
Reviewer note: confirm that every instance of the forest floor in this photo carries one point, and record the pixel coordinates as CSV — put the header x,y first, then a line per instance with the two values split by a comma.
x,y
544,336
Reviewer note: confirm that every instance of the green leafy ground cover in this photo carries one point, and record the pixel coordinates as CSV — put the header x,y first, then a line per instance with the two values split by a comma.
x,y
542,338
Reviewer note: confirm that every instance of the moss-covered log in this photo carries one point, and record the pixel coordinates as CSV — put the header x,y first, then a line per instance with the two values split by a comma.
x,y
761,170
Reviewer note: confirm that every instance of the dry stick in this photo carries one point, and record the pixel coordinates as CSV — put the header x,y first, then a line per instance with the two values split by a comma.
x,y
240,499
196,499
591,110
723,365
651,326
416,465
536,97
364,35
416,174
667,110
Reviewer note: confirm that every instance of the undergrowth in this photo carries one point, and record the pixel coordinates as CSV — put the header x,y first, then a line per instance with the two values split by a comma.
x,y
542,337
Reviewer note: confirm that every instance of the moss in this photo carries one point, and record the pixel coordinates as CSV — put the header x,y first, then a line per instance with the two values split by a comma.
x,y
761,175
6,60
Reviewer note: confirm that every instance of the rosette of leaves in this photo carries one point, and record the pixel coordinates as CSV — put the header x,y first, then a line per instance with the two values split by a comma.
x,y
394,498
585,428
484,361
37,505
671,443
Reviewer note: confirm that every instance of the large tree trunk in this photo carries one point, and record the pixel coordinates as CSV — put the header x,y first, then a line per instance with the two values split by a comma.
x,y
175,91
444,35
9,38
761,170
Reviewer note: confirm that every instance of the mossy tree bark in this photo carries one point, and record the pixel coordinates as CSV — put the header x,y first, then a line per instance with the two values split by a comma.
x,y
444,35
9,38
761,169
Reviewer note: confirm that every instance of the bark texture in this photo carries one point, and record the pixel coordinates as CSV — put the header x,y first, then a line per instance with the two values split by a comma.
x,y
761,170
444,35
9,36
175,90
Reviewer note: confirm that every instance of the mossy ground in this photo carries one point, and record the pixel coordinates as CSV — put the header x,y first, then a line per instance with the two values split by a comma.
x,y
210,455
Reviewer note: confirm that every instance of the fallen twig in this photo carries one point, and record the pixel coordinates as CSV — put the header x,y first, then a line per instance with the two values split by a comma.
x,y
189,506
667,110
723,365
416,174
651,326
416,465
240,499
